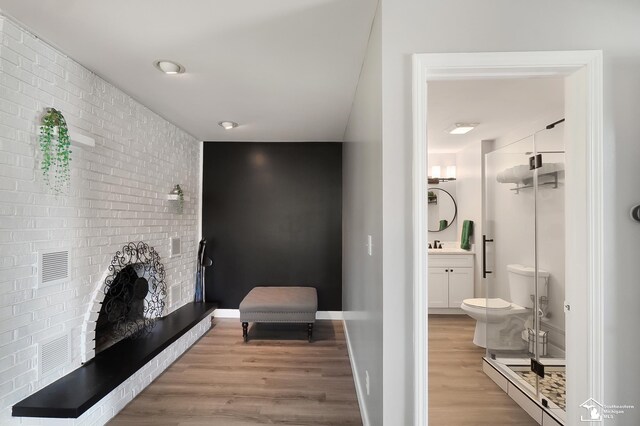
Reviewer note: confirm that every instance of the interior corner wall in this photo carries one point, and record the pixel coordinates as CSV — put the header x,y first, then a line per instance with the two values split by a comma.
x,y
362,216
419,26
118,194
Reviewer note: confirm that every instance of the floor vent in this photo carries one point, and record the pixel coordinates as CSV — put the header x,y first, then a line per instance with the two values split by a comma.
x,y
53,267
176,247
53,354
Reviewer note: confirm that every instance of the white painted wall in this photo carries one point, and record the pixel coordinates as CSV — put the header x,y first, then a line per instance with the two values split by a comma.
x,y
117,195
469,187
362,216
419,26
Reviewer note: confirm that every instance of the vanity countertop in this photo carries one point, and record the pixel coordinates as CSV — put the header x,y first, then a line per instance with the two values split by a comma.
x,y
450,251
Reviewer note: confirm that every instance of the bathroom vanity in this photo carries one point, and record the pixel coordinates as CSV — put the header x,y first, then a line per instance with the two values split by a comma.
x,y
451,274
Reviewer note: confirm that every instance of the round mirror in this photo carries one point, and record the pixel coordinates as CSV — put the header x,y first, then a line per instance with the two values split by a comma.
x,y
442,209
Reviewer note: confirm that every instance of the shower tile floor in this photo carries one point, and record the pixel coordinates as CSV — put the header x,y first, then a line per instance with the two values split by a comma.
x,y
553,386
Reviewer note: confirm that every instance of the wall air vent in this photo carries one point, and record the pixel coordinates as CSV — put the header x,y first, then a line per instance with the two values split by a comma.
x,y
53,267
176,247
53,354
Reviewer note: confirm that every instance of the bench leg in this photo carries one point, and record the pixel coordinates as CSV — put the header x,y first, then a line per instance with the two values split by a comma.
x,y
245,331
310,330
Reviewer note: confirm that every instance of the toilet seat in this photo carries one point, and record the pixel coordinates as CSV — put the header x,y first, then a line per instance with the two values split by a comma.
x,y
490,304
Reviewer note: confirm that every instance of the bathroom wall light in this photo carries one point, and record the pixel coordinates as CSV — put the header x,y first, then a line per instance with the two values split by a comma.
x,y
168,67
461,128
436,178
228,125
451,172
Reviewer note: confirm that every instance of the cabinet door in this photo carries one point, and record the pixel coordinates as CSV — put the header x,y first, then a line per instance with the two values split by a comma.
x,y
438,288
460,286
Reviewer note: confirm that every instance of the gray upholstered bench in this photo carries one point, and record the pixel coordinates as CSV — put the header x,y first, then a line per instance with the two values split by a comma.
x,y
279,304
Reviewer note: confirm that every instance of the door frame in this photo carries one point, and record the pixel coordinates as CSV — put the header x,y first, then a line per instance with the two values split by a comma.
x,y
584,204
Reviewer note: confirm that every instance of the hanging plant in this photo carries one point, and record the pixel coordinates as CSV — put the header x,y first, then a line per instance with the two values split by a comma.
x,y
180,199
55,156
179,194
432,198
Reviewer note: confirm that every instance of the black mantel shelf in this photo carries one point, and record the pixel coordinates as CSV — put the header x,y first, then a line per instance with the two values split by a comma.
x,y
75,393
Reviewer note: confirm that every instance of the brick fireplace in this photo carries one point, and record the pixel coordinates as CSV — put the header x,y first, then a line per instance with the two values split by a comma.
x,y
127,301
118,193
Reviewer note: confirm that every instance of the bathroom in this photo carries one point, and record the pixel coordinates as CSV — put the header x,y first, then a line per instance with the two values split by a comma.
x,y
496,221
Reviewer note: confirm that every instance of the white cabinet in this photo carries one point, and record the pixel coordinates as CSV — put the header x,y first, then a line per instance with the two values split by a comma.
x,y
460,286
438,288
450,280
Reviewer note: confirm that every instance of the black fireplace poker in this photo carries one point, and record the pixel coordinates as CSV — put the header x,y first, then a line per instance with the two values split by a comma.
x,y
203,262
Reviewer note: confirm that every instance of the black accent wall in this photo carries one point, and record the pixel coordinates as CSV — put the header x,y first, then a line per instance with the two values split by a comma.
x,y
272,215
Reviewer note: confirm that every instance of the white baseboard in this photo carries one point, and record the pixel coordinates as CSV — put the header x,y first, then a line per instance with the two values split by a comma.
x,y
321,315
226,313
330,315
364,414
446,311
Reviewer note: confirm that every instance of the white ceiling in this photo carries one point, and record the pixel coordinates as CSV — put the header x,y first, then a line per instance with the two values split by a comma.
x,y
500,106
286,70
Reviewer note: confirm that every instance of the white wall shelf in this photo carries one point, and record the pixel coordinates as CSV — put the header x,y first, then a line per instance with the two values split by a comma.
x,y
74,136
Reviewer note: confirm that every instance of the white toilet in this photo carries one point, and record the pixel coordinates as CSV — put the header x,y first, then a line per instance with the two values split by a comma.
x,y
506,318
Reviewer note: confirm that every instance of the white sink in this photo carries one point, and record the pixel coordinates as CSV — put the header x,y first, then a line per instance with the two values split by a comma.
x,y
449,251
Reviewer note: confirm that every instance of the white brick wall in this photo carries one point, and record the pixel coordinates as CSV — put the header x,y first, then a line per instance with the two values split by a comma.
x,y
117,399
118,194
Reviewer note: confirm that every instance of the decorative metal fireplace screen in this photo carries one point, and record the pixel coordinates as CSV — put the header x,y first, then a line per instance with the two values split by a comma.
x,y
135,291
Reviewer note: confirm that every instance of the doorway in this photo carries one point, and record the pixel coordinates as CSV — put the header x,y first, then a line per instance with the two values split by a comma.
x,y
582,72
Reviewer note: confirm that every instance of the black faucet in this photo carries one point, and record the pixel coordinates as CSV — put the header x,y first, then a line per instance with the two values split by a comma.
x,y
435,244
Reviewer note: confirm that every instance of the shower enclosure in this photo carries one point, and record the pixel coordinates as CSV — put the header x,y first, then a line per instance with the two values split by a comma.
x,y
523,259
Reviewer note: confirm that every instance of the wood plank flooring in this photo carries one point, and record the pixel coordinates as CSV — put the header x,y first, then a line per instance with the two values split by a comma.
x,y
276,378
279,378
459,392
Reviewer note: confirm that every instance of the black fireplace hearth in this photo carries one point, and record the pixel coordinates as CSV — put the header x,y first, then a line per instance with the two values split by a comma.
x,y
75,393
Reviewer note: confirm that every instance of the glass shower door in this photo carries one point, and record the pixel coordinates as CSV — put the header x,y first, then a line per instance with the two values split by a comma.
x,y
510,224
523,253
550,267
510,257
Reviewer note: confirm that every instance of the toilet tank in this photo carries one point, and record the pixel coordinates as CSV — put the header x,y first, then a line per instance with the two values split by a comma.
x,y
521,280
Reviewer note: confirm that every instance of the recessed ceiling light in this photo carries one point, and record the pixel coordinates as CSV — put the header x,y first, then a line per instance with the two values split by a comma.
x,y
168,67
227,125
461,128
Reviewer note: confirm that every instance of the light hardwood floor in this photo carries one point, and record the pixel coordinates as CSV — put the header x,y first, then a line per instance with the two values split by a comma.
x,y
459,392
276,378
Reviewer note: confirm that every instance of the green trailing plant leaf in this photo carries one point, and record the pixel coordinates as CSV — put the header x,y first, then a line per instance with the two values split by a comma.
x,y
56,155
180,199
